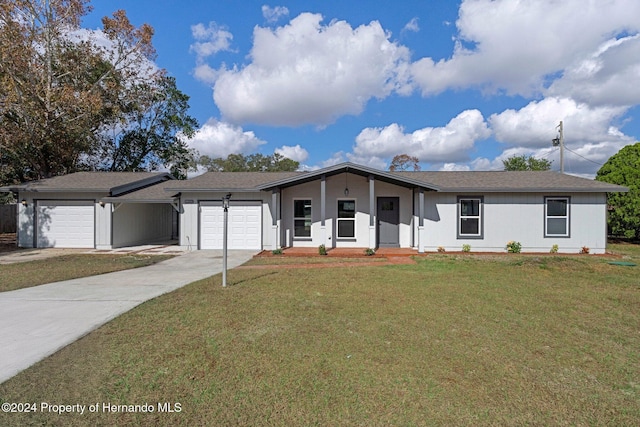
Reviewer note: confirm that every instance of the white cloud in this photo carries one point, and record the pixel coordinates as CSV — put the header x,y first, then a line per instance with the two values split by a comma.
x,y
454,167
272,14
205,73
609,76
219,139
295,152
448,144
412,26
517,45
589,136
534,125
210,39
309,73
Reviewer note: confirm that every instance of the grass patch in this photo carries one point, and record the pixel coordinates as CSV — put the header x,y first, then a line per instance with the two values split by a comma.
x,y
450,340
627,250
33,273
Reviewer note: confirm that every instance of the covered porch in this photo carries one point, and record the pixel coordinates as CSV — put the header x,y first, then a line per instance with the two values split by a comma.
x,y
348,207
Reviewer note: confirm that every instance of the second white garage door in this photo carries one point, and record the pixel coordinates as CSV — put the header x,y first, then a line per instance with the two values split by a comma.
x,y
65,224
245,225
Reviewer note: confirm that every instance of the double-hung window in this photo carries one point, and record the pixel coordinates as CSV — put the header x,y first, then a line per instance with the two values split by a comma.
x,y
469,217
346,218
302,218
556,216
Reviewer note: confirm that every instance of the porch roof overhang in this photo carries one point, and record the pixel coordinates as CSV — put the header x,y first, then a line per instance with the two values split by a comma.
x,y
348,167
157,193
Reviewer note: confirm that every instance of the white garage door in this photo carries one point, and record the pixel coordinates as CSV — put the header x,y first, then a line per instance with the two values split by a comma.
x,y
65,224
245,225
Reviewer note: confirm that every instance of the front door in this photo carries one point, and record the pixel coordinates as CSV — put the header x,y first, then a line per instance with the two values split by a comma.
x,y
388,213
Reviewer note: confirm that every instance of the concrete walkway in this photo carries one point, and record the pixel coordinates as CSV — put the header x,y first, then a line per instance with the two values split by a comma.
x,y
38,321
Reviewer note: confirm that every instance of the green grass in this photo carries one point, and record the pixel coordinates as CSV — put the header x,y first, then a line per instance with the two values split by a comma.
x,y
33,273
452,340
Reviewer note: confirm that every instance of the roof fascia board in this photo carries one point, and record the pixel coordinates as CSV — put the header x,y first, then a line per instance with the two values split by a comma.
x,y
120,200
214,190
140,183
532,190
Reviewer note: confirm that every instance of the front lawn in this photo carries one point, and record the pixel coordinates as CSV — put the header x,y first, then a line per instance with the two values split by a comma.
x,y
65,267
451,340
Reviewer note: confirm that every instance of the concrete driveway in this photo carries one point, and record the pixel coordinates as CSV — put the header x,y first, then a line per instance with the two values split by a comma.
x,y
38,321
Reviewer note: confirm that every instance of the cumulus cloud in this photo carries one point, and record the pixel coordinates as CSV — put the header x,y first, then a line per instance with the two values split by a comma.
x,y
450,143
272,14
219,139
517,46
589,135
309,73
210,40
608,76
534,125
295,152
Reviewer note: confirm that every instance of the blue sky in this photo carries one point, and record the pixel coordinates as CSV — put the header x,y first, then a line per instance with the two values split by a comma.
x,y
460,85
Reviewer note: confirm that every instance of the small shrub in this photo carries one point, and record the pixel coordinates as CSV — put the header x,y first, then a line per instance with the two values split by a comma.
x,y
369,252
584,250
514,247
322,250
554,249
277,251
466,248
441,249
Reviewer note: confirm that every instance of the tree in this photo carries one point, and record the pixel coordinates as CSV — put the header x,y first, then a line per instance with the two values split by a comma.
x,y
402,162
524,163
623,168
251,163
61,89
155,134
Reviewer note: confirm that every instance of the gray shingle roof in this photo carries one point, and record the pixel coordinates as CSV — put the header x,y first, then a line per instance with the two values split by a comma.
x,y
122,184
509,181
109,182
222,181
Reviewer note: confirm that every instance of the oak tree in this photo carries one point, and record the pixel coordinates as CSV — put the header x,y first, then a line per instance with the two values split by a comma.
x,y
623,168
64,90
524,163
402,162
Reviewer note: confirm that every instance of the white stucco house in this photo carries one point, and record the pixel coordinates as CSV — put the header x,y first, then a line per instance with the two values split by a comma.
x,y
346,205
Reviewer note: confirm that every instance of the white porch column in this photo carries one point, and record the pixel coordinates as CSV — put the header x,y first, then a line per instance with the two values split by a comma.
x,y
372,213
422,235
275,219
323,211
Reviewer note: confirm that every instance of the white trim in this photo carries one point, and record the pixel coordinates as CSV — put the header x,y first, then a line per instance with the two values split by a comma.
x,y
338,219
566,217
462,235
310,219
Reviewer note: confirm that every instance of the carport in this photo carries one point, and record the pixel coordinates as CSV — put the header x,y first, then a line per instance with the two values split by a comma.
x,y
145,216
95,210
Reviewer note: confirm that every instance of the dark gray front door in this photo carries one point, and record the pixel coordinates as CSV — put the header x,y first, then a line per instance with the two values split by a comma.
x,y
388,213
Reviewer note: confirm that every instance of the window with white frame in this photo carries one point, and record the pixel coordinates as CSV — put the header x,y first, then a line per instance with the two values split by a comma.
x,y
470,217
556,216
302,218
346,218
